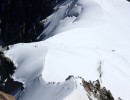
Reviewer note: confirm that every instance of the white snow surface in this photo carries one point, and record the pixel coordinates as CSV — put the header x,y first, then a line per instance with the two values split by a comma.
x,y
81,35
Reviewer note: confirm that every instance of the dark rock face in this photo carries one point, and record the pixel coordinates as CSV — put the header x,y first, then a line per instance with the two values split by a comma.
x,y
20,19
6,67
7,84
94,88
69,77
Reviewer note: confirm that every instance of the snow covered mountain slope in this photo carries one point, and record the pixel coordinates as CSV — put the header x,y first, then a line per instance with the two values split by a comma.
x,y
88,38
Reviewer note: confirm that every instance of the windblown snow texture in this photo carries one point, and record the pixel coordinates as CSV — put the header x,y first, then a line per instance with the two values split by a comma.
x,y
87,38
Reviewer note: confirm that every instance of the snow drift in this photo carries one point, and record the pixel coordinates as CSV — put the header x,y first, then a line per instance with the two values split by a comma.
x,y
88,38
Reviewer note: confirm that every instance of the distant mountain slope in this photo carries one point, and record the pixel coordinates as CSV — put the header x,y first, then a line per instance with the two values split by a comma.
x,y
20,19
87,38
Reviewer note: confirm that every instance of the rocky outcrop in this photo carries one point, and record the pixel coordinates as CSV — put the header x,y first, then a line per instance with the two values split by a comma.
x,y
7,84
6,67
94,88
4,96
69,77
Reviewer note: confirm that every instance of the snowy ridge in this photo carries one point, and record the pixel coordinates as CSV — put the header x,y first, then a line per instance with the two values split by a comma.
x,y
79,93
74,88
88,38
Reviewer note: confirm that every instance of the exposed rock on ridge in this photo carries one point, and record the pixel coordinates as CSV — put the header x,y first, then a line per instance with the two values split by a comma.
x,y
7,84
94,88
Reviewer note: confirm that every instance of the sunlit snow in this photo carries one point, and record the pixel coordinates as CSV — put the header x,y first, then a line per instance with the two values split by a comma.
x,y
80,35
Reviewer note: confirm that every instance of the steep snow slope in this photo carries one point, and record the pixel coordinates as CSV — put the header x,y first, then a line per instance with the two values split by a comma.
x,y
39,90
90,39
